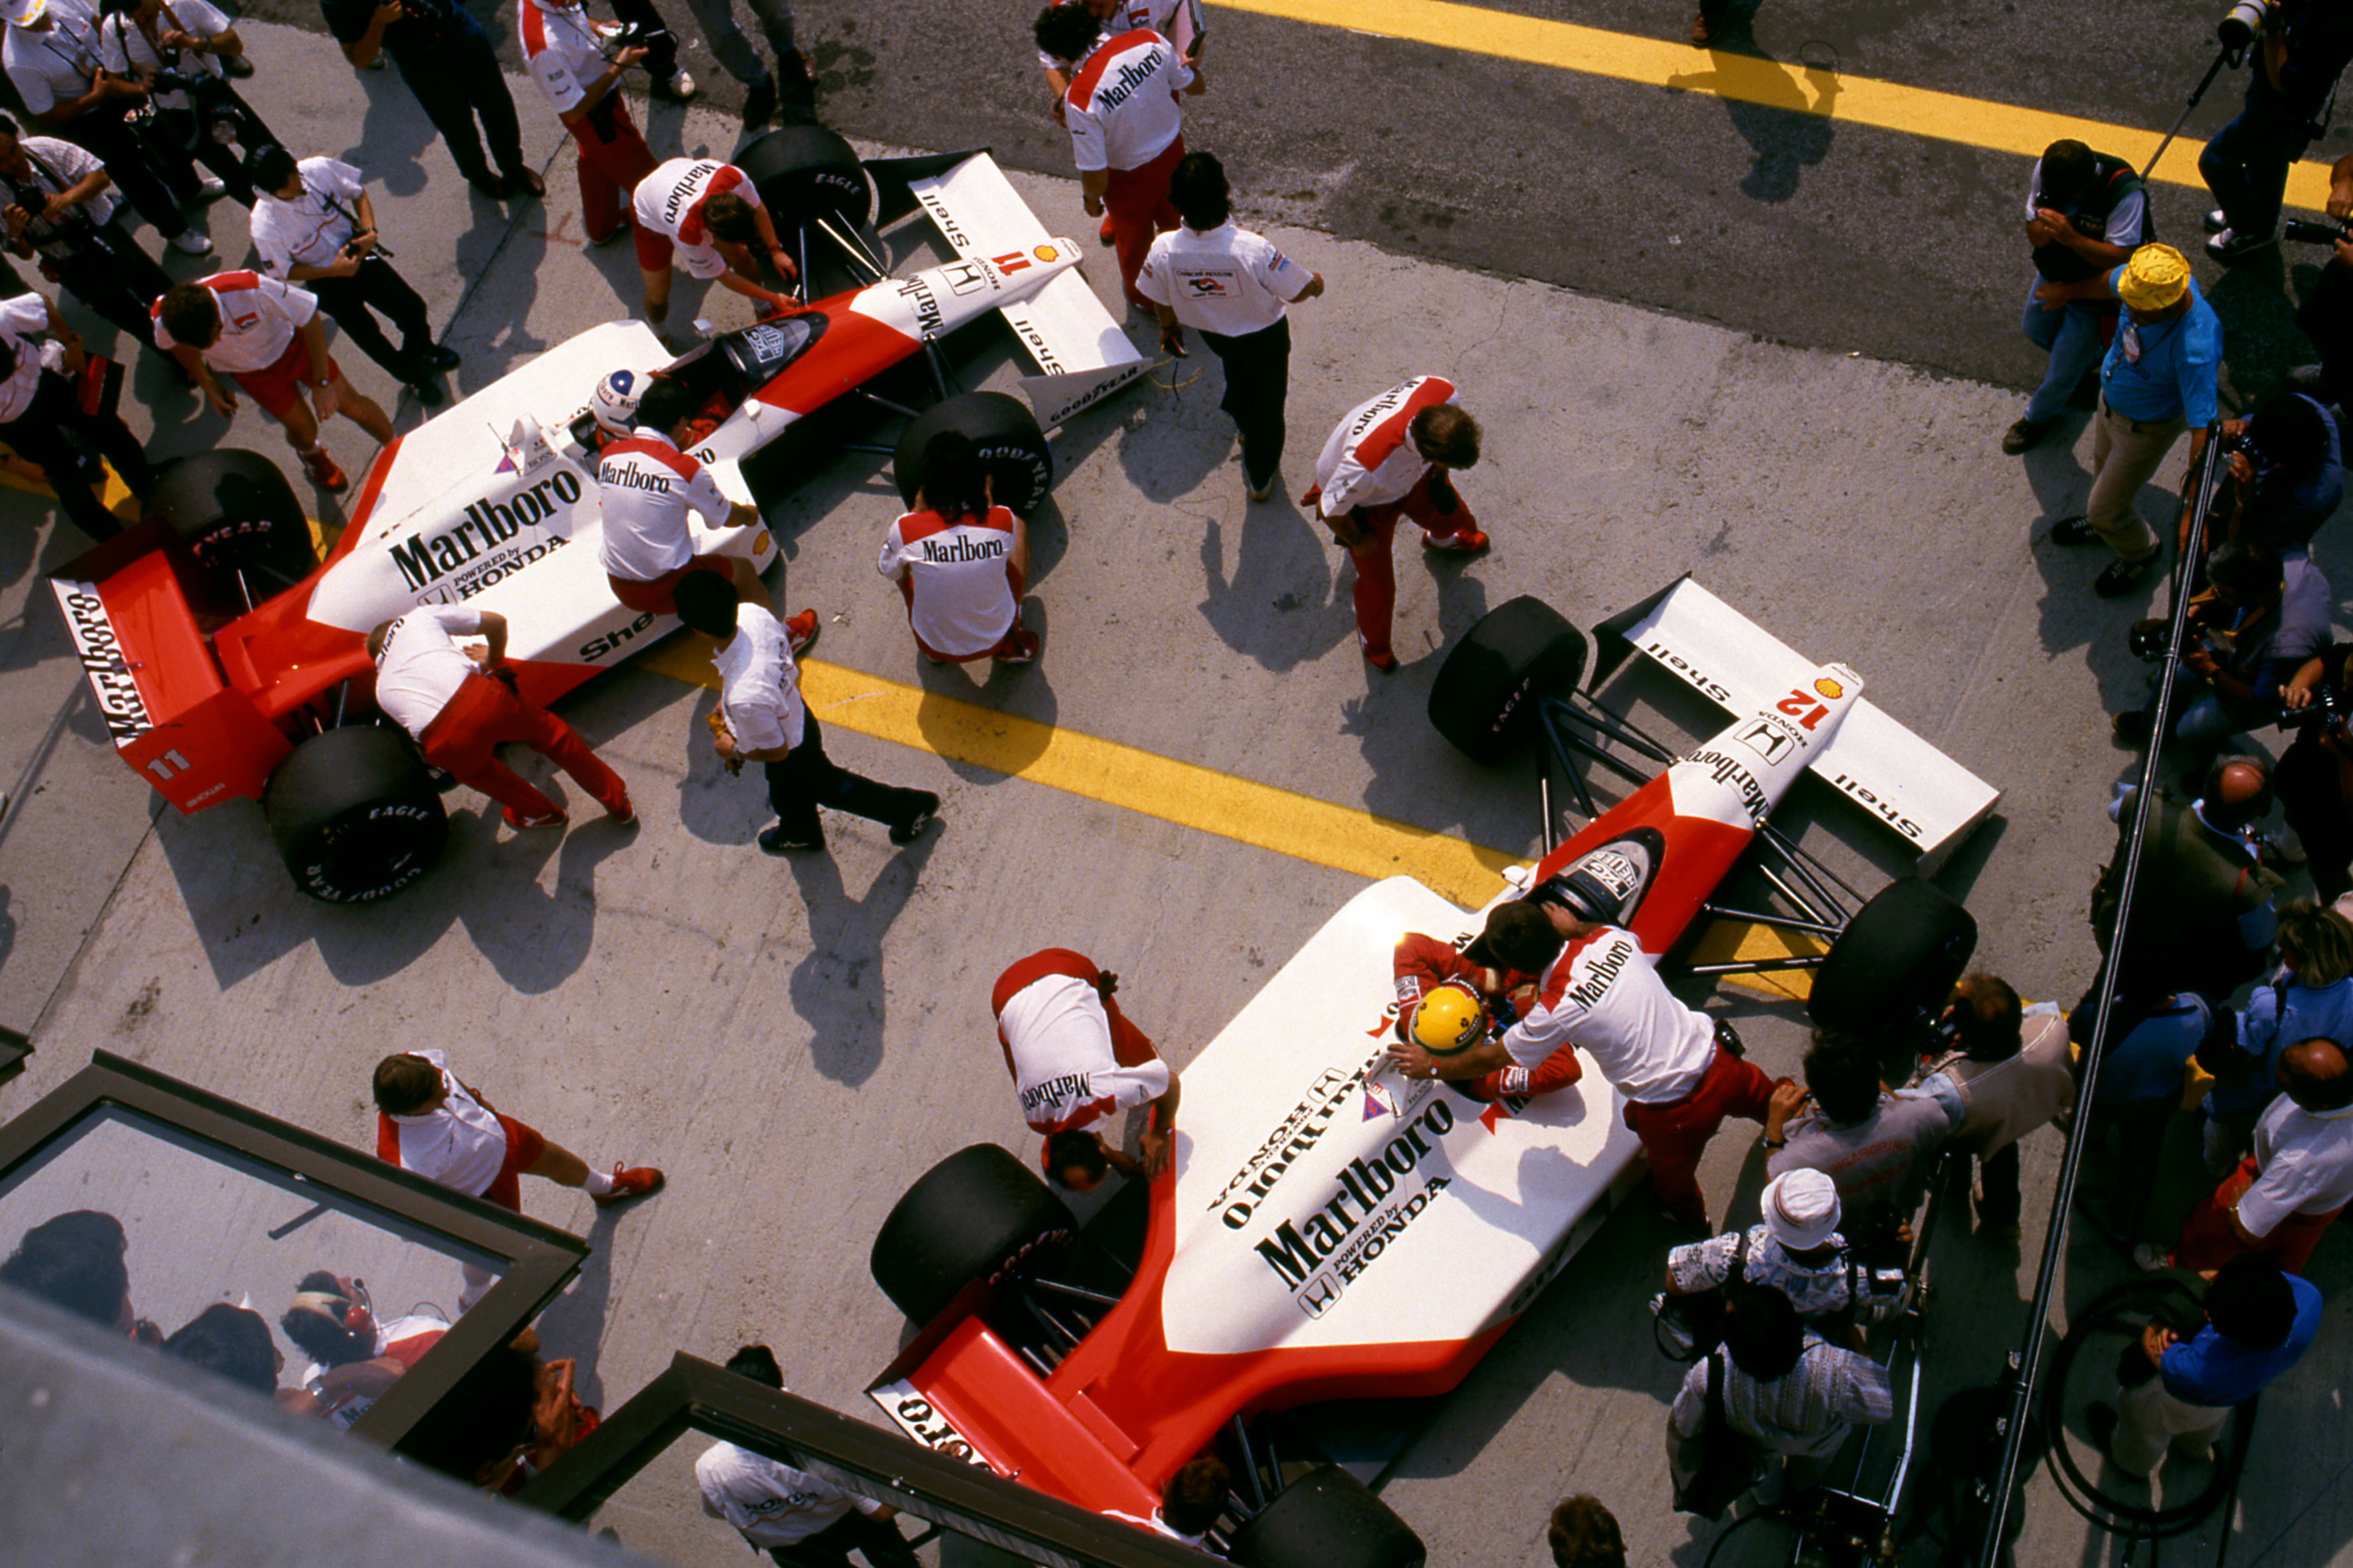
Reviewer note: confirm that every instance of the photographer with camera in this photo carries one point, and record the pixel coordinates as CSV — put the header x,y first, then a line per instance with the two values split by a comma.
x,y
2009,1073
2257,622
2300,47
60,204
2204,919
2316,771
175,49
43,420
2086,215
578,65
448,62
2287,474
312,225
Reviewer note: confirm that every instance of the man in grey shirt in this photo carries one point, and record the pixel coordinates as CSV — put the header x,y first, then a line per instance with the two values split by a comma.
x,y
1876,1147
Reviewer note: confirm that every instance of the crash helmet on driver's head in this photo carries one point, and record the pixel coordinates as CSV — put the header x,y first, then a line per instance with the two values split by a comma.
x,y
1450,1020
615,404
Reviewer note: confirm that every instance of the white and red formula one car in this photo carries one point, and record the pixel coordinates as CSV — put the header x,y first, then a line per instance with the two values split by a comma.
x,y
229,663
1330,1230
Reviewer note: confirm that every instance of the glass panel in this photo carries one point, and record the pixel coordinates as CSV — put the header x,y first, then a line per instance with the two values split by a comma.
x,y
195,1224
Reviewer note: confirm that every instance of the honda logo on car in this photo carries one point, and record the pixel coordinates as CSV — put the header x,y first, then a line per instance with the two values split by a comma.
x,y
484,526
119,702
1348,1243
1305,1122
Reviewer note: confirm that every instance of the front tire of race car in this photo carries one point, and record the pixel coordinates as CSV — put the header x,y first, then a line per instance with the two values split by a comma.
x,y
977,1215
234,512
1326,1519
1484,699
1895,965
1003,432
805,172
355,815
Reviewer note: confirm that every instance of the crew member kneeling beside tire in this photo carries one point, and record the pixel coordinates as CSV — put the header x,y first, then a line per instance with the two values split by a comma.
x,y
961,562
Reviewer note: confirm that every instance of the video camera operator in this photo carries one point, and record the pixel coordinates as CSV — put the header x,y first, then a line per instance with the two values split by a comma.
x,y
312,225
2086,215
2298,50
2260,619
57,201
175,49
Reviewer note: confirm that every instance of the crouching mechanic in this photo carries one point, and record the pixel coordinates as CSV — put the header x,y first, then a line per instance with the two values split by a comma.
x,y
711,212
1391,459
1678,1073
1446,1004
459,705
1075,1060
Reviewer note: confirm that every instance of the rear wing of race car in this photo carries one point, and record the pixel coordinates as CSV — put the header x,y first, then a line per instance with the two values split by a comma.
x,y
1081,353
1922,793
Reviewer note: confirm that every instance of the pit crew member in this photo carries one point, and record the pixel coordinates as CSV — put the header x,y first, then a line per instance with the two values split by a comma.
x,y
455,704
313,224
60,202
1446,1004
802,1518
762,719
1126,132
711,212
1190,1503
39,407
1075,1060
1181,22
1677,1073
265,334
1230,285
565,53
1784,1388
1390,457
429,1122
960,562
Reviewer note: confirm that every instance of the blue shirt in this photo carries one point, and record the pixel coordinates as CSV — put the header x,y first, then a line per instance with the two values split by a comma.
x,y
2175,376
2146,1064
2210,1370
2288,508
2276,1017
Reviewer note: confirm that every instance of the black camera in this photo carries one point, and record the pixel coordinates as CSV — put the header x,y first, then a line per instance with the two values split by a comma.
x,y
2324,712
2304,232
2238,27
635,35
2147,639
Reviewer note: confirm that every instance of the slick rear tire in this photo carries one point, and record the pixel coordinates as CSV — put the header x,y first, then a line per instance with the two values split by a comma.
x,y
1484,699
805,172
1005,433
1326,1519
234,510
1894,964
355,815
979,1213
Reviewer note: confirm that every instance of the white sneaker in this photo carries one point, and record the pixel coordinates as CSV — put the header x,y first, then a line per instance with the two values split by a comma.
x,y
196,242
2216,220
211,185
681,86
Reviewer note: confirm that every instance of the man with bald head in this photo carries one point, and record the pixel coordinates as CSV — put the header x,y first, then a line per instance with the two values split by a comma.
x,y
2285,1193
2203,916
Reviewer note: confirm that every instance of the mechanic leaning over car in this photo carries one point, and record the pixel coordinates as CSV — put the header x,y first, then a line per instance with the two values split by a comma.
x,y
712,213
1075,1060
1446,1004
1680,1074
41,417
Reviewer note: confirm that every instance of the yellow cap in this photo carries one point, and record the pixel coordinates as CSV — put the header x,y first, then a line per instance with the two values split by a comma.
x,y
2155,278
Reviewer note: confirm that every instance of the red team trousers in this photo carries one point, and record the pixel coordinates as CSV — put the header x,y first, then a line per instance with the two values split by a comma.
x,y
609,169
1137,200
1674,1133
483,714
2207,1240
1376,592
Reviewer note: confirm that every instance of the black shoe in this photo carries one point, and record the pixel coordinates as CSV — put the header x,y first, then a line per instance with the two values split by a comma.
x,y
2230,245
2076,530
2134,726
2100,1421
2025,434
760,103
434,358
492,186
797,86
913,828
2118,578
428,394
237,65
771,841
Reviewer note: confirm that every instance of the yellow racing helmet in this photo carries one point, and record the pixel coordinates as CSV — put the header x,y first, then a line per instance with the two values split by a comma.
x,y
1450,1020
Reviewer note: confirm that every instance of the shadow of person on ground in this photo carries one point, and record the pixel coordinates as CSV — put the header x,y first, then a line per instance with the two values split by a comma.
x,y
838,989
1282,563
1767,104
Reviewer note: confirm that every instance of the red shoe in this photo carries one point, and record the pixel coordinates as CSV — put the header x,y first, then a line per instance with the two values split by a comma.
x,y
636,1182
627,816
553,819
1104,233
1381,659
800,632
325,473
1462,541
1020,646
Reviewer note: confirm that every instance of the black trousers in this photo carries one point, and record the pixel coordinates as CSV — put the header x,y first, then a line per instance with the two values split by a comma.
x,y
109,138
878,1540
108,273
179,143
662,59
808,779
1258,380
2327,318
347,300
457,81
40,435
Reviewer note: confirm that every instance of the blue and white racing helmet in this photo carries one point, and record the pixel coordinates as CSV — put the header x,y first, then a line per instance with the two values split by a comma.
x,y
615,404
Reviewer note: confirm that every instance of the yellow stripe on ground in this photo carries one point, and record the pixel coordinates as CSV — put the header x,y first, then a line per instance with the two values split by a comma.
x,y
1744,78
1191,797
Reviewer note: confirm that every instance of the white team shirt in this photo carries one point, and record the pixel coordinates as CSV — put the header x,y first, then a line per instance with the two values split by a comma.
x,y
770,1502
125,50
1178,21
646,487
258,317
562,48
1603,993
307,230
2306,1158
1160,1526
1370,460
460,1143
1122,107
961,584
421,666
24,322
668,202
1227,280
1057,1040
55,64
58,167
759,684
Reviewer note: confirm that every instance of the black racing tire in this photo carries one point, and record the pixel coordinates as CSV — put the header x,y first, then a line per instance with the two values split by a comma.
x,y
1484,699
1326,1519
234,509
1894,964
805,172
1007,435
355,815
976,1215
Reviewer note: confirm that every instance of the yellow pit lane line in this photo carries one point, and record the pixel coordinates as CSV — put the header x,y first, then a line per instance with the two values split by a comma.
x,y
1188,795
1746,79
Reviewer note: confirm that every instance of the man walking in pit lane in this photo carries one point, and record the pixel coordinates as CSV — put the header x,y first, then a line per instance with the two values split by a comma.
x,y
711,212
564,52
1076,1059
1680,1074
267,336
460,705
429,1122
1392,458
1231,286
1181,22
761,719
1127,131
